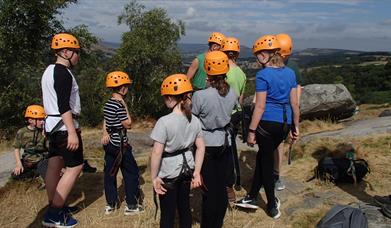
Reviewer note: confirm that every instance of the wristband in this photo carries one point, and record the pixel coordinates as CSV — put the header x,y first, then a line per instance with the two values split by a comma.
x,y
252,130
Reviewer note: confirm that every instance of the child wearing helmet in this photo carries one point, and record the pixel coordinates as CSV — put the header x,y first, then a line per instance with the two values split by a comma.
x,y
174,170
286,46
276,112
214,106
33,143
237,81
118,152
196,72
61,100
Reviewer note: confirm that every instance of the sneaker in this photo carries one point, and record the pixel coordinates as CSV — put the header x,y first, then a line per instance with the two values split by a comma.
x,y
109,209
279,185
231,194
247,202
381,200
61,219
87,168
133,209
386,208
275,211
71,209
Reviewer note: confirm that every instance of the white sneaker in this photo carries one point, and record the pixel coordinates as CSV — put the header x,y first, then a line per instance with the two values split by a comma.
x,y
133,209
109,209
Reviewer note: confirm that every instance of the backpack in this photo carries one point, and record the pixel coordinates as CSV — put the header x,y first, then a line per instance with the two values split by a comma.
x,y
343,217
341,170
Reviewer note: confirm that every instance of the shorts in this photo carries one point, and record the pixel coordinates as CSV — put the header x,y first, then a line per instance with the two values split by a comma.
x,y
58,142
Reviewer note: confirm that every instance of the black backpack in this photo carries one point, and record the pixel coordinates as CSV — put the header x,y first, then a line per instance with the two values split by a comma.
x,y
343,217
341,170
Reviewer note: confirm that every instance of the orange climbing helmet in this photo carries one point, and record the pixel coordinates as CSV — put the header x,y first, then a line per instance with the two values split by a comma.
x,y
231,44
216,37
175,84
117,78
285,44
64,40
35,112
267,42
216,63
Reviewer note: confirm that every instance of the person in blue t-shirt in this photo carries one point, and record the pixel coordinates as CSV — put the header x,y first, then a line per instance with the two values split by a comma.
x,y
276,112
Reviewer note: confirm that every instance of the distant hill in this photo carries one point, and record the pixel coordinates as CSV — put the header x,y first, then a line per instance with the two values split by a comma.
x,y
310,57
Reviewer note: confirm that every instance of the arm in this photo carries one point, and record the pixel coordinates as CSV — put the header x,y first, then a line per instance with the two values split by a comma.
x,y
73,140
296,113
19,167
192,69
199,159
298,94
259,109
156,158
105,136
128,122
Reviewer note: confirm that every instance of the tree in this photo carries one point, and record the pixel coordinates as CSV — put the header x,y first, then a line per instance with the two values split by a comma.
x,y
148,53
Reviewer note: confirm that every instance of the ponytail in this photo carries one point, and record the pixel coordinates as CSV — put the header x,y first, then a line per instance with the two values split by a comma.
x,y
186,106
218,82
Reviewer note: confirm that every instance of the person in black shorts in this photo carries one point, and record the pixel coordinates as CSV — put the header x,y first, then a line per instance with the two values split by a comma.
x,y
62,106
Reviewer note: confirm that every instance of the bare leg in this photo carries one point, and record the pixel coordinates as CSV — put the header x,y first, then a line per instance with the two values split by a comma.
x,y
65,185
53,176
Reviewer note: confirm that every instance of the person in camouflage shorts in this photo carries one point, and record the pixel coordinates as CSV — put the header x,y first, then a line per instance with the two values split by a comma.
x,y
33,143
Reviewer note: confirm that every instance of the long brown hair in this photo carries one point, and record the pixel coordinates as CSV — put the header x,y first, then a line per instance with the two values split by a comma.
x,y
186,105
218,82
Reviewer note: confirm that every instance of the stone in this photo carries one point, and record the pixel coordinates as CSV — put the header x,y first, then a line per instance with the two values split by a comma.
x,y
385,113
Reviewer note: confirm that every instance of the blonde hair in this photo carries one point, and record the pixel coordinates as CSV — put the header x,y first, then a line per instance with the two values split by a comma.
x,y
276,60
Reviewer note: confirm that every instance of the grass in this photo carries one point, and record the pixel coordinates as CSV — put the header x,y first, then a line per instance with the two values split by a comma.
x,y
23,205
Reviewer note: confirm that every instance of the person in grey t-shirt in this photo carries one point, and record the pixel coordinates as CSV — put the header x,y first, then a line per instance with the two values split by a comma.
x,y
214,107
174,135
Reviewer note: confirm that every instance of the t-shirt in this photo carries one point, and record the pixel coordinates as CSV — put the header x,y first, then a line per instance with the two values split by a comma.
x,y
236,79
33,144
60,93
114,113
199,79
176,133
214,112
277,82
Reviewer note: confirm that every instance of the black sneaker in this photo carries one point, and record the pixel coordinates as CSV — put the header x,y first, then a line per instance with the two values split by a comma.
x,y
381,200
274,212
87,168
247,202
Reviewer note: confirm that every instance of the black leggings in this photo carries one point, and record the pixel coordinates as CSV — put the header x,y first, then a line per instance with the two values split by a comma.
x,y
215,199
263,174
175,198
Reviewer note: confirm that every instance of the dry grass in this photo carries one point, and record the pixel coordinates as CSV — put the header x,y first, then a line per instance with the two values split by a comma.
x,y
367,111
23,205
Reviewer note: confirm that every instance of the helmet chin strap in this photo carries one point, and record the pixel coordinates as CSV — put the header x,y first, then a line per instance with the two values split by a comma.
x,y
69,59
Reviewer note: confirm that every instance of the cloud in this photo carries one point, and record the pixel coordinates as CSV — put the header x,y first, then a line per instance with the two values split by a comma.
x,y
190,13
386,22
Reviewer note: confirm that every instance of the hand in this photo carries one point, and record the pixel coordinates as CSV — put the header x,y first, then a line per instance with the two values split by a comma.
x,y
18,169
105,139
73,142
294,133
196,181
157,186
251,139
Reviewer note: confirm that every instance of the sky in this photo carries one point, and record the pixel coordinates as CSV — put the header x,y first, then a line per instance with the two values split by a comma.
x,y
342,24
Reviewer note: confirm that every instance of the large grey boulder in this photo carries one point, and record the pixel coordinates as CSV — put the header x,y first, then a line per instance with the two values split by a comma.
x,y
326,101
322,101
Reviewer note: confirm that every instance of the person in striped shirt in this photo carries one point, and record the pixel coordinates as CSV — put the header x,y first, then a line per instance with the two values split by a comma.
x,y
118,152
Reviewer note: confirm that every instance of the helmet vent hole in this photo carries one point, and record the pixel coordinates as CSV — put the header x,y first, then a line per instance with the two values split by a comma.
x,y
175,88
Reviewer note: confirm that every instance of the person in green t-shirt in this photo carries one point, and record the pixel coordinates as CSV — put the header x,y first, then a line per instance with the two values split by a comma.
x,y
237,81
196,72
33,143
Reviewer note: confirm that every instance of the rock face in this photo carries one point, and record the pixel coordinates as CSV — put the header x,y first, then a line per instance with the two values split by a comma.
x,y
385,113
322,101
326,101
